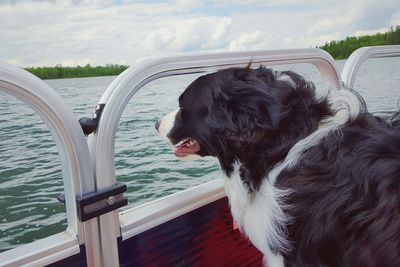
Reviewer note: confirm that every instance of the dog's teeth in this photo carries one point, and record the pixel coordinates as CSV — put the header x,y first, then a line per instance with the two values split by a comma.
x,y
179,143
187,142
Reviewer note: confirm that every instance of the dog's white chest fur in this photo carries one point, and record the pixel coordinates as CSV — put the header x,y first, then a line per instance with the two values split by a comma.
x,y
258,215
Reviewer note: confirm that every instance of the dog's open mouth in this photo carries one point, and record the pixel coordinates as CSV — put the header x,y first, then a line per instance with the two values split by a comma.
x,y
186,147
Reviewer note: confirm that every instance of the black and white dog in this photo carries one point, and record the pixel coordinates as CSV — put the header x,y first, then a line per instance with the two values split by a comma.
x,y
312,181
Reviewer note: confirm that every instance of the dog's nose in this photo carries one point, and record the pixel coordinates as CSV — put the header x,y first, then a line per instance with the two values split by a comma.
x,y
158,124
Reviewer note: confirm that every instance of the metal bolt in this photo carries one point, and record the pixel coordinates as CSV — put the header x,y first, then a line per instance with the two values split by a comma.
x,y
110,200
94,116
97,107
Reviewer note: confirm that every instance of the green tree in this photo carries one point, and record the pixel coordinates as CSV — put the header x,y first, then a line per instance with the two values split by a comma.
x,y
342,49
59,71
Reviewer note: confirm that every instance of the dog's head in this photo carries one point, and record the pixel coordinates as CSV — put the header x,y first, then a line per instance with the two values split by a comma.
x,y
221,112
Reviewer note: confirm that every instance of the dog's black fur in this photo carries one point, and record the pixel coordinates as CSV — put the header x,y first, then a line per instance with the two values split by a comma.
x,y
344,200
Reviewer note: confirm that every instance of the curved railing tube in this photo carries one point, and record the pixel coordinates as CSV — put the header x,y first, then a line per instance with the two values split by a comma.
x,y
121,90
358,57
131,80
75,162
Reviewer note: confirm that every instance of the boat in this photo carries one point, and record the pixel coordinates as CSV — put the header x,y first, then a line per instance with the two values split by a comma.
x,y
193,227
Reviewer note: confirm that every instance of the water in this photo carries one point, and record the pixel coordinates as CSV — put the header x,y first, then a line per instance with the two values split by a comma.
x,y
30,174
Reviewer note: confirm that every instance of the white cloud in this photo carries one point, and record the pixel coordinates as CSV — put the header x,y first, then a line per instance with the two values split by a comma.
x,y
247,41
188,4
220,30
186,35
264,3
100,32
351,17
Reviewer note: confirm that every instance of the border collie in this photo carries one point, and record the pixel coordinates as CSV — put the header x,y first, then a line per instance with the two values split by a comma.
x,y
311,181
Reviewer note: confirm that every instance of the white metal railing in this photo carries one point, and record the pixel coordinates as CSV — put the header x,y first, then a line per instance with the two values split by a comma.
x,y
358,57
76,169
99,235
130,81
121,90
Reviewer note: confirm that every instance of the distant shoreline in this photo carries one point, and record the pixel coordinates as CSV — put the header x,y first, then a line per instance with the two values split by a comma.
x,y
61,72
342,49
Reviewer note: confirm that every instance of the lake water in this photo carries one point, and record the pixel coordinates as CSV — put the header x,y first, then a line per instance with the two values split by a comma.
x,y
30,173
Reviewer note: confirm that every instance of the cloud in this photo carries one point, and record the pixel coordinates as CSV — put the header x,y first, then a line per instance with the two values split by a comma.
x,y
125,31
247,41
354,16
188,4
201,33
218,39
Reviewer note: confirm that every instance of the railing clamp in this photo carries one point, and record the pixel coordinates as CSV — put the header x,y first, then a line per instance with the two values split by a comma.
x,y
95,204
89,125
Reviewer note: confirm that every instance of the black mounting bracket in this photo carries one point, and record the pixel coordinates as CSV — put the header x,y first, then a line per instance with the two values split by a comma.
x,y
89,125
101,202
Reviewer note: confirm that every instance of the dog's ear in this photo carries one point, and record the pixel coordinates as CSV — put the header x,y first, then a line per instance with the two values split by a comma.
x,y
242,73
246,103
253,113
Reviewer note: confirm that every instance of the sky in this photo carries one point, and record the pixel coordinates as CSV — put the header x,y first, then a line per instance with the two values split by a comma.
x,y
99,32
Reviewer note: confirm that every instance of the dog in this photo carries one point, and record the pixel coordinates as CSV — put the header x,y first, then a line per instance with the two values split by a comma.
x,y
311,180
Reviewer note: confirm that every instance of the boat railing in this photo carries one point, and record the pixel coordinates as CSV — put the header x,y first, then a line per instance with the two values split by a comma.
x,y
115,99
76,167
358,58
90,166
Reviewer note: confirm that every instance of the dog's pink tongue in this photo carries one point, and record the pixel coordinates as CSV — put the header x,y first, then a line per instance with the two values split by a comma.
x,y
186,148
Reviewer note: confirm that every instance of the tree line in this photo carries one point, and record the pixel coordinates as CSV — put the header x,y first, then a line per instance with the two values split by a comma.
x,y
342,49
59,71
